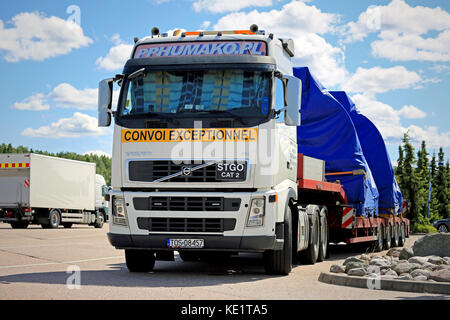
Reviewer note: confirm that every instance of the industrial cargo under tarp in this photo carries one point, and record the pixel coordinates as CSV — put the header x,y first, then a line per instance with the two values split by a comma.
x,y
327,133
374,149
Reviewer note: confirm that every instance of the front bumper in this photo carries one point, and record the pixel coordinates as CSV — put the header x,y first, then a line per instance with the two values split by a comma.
x,y
212,242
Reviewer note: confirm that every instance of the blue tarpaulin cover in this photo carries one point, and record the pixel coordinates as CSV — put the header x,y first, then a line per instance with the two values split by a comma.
x,y
375,152
327,133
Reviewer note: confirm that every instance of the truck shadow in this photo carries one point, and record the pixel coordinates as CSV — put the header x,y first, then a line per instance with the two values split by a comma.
x,y
237,269
166,274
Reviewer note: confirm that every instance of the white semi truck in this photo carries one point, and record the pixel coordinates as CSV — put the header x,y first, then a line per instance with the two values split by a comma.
x,y
205,156
50,191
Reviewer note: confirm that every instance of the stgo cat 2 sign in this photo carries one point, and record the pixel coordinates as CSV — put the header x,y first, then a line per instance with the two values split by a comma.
x,y
214,48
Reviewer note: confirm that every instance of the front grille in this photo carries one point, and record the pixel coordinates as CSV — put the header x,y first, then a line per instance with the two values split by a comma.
x,y
186,224
151,170
187,204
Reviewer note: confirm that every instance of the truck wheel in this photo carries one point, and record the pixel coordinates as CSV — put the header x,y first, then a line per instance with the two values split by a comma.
x,y
99,221
54,219
396,235
323,246
19,224
388,238
140,260
67,225
378,245
280,261
187,256
311,254
401,240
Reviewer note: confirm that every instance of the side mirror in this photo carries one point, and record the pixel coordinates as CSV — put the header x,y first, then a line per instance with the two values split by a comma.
x,y
294,101
105,89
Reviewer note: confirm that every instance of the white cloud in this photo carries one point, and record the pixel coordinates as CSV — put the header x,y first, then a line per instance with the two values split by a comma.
x,y
439,68
402,31
304,24
411,112
116,57
387,120
205,25
78,125
36,37
98,153
35,102
221,6
67,96
378,80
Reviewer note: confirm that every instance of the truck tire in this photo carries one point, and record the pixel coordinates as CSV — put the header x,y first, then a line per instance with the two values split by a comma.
x,y
311,254
19,224
323,245
388,238
54,219
401,239
99,221
188,256
379,243
395,235
139,260
280,261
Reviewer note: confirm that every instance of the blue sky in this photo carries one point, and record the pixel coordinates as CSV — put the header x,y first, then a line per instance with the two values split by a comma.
x,y
392,57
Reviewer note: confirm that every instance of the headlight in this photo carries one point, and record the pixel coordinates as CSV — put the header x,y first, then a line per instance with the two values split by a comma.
x,y
119,213
256,214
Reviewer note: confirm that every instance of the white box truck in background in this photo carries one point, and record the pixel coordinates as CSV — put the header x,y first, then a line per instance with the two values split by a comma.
x,y
50,191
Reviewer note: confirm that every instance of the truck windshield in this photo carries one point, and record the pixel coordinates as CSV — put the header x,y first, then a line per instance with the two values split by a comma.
x,y
236,92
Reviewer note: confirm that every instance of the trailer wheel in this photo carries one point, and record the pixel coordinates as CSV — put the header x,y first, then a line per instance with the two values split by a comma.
x,y
19,224
280,261
311,254
396,235
378,245
323,235
401,240
54,219
140,260
99,221
388,238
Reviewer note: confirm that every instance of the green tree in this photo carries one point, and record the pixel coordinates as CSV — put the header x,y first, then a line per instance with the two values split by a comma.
x,y
422,174
442,186
410,180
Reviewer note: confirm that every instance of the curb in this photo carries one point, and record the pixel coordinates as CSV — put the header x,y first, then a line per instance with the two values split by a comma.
x,y
385,284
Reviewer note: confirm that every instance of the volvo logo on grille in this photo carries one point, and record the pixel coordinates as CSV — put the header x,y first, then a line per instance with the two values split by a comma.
x,y
186,171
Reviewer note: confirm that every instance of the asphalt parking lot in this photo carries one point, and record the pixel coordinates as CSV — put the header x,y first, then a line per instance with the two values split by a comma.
x,y
38,263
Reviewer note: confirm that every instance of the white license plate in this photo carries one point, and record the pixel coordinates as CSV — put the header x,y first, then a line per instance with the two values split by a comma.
x,y
185,243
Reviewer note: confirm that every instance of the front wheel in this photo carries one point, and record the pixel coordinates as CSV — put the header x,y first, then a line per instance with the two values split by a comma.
x,y
140,260
280,261
54,219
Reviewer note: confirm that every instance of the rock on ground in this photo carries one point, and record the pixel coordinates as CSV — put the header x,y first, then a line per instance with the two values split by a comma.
x,y
405,277
440,275
353,265
420,272
406,267
437,244
406,253
337,268
435,260
419,260
357,272
352,259
420,278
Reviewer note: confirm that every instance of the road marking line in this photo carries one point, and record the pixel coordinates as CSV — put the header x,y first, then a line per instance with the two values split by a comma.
x,y
56,263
